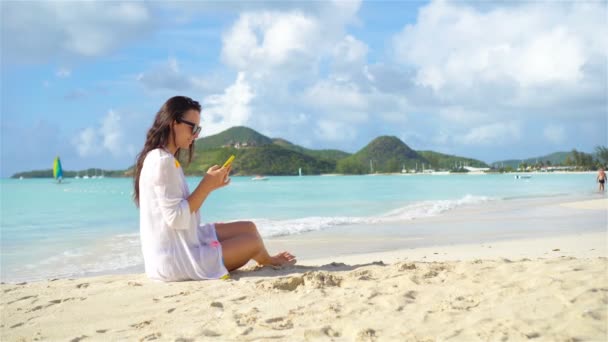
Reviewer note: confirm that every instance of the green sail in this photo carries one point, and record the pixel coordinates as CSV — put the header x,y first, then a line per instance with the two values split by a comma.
x,y
57,170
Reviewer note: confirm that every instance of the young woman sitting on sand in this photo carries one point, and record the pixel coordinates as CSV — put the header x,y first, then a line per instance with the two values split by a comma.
x,y
175,245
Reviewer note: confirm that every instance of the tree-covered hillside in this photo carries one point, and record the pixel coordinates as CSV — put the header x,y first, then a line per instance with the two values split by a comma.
x,y
383,154
449,162
236,135
323,154
268,160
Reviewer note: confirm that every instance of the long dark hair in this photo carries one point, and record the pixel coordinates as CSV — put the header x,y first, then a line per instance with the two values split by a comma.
x,y
158,134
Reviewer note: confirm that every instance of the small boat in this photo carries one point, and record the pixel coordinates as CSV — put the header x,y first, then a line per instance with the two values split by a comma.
x,y
259,178
57,170
523,176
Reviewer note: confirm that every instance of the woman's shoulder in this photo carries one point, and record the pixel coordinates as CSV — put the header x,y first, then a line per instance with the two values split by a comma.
x,y
158,155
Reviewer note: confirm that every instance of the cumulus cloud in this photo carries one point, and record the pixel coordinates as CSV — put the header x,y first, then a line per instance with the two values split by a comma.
x,y
266,40
166,76
86,142
493,134
109,136
554,133
338,96
40,31
334,131
232,108
498,54
350,54
291,42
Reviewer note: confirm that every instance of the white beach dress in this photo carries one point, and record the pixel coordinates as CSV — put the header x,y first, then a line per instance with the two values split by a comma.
x,y
175,245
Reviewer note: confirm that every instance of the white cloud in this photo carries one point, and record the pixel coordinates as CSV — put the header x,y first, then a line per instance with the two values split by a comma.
x,y
554,133
334,131
266,40
465,53
290,43
167,76
112,135
493,134
456,115
86,142
337,96
350,53
40,31
109,136
232,108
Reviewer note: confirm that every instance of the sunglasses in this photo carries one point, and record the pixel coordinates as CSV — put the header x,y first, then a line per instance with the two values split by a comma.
x,y
196,129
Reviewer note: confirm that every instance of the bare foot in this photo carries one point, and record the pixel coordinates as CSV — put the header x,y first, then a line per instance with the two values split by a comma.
x,y
283,259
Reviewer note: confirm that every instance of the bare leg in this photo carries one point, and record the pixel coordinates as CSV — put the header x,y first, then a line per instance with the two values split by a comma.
x,y
242,242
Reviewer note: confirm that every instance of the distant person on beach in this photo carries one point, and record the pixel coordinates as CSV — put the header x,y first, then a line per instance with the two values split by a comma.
x,y
601,178
175,245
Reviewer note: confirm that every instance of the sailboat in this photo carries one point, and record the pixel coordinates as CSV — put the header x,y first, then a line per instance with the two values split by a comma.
x,y
57,170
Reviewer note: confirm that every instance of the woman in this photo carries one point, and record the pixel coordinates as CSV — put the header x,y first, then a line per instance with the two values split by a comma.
x,y
175,245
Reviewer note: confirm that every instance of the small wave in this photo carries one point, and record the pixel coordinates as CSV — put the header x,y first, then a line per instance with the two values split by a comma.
x,y
275,228
109,255
122,251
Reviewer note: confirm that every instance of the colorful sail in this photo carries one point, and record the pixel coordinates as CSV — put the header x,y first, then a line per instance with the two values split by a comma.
x,y
57,170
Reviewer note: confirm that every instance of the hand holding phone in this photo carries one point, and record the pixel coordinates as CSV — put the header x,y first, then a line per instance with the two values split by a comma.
x,y
229,161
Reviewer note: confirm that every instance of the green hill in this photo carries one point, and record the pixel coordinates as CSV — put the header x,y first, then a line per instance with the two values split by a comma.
x,y
383,154
259,154
236,135
556,158
48,173
448,162
267,160
323,154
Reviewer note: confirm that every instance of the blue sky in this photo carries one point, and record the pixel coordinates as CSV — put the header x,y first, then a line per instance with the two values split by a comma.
x,y
486,80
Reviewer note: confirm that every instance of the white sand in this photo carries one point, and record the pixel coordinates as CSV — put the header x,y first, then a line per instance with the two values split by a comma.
x,y
596,204
561,296
543,288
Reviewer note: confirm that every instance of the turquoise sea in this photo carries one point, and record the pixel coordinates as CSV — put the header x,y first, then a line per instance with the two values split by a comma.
x,y
89,226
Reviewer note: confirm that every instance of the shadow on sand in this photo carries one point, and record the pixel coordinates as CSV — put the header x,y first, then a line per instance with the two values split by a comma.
x,y
270,271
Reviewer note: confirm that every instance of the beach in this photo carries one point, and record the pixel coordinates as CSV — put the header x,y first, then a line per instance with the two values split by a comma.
x,y
507,285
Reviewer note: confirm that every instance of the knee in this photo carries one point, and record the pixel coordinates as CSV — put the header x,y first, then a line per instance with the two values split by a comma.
x,y
252,228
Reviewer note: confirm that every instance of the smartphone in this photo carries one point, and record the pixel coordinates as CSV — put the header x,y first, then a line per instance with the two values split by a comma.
x,y
229,161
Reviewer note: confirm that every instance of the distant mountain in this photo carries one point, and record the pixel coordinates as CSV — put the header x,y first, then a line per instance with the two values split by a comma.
x,y
383,154
269,159
556,158
259,154
323,154
235,136
48,173
448,162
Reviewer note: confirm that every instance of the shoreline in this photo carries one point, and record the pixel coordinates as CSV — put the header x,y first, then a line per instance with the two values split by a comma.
x,y
436,173
489,223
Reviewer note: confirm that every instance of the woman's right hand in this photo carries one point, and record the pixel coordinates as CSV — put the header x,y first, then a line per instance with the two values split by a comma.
x,y
216,177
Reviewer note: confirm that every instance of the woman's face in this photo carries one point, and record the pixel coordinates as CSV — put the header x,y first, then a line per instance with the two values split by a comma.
x,y
187,128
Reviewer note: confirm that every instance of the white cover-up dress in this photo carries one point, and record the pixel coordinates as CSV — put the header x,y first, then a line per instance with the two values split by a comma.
x,y
175,245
